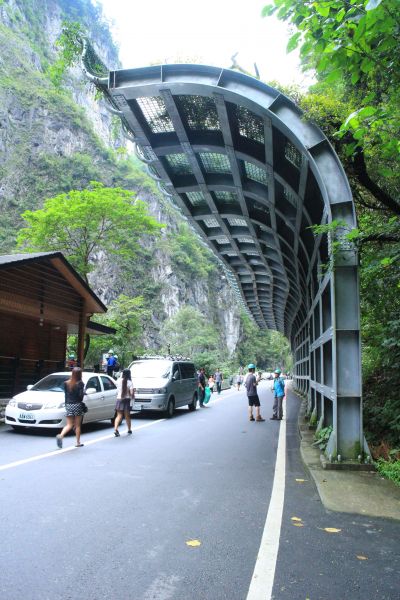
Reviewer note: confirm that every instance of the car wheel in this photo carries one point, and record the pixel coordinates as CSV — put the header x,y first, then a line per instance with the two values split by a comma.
x,y
18,428
170,409
193,404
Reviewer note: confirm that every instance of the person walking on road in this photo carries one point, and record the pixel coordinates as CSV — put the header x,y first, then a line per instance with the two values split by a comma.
x,y
218,378
123,406
201,384
279,394
74,391
250,384
239,381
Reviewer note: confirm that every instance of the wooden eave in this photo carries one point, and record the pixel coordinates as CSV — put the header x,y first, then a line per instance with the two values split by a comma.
x,y
46,285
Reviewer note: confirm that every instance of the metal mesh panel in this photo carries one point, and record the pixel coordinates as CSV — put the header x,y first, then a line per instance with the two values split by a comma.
x,y
226,196
196,198
245,239
179,164
255,173
215,162
222,240
290,197
250,125
292,154
211,222
155,113
199,112
236,222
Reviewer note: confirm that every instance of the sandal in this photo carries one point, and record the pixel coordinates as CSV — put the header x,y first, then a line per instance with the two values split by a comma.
x,y
79,445
129,432
116,433
59,441
252,419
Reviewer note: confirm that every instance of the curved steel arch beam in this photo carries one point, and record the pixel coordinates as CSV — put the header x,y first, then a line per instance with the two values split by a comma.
x,y
213,133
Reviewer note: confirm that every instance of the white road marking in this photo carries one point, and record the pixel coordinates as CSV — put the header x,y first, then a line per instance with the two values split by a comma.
x,y
264,571
109,436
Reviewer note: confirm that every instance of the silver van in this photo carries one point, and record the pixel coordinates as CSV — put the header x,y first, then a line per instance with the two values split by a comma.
x,y
163,384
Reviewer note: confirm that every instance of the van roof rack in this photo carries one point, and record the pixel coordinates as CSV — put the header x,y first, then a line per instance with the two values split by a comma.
x,y
162,357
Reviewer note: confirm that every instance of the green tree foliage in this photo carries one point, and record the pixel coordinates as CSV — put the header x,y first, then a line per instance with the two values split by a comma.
x,y
127,316
354,47
190,334
189,256
265,348
83,223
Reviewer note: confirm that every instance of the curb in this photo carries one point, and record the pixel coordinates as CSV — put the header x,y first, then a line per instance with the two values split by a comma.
x,y
351,490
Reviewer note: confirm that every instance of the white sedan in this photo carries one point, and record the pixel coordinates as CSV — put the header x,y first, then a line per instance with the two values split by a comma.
x,y
42,405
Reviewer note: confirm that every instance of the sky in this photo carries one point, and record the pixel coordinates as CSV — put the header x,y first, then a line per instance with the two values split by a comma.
x,y
207,31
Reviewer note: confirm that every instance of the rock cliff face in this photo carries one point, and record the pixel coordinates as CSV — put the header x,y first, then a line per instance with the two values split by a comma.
x,y
53,141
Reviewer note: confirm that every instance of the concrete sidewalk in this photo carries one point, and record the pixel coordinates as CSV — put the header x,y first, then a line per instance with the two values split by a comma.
x,y
357,492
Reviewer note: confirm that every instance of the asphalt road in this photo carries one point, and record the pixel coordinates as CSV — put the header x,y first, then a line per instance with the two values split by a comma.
x,y
113,519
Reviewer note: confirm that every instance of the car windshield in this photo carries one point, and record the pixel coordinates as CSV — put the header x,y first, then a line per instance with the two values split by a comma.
x,y
51,383
151,369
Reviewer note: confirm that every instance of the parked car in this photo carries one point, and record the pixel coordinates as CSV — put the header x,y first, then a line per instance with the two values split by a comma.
x,y
42,405
163,384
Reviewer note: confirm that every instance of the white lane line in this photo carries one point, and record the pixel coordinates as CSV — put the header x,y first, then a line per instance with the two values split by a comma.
x,y
264,571
25,461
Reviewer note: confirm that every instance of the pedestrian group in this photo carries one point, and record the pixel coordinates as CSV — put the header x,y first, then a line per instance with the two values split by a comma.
x,y
75,407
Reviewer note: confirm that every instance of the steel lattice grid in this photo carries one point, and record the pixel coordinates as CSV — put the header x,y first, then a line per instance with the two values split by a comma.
x,y
250,126
236,222
196,198
215,162
179,164
293,155
255,173
199,112
211,222
156,114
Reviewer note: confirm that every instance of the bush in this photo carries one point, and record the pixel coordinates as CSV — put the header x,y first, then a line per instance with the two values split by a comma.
x,y
389,469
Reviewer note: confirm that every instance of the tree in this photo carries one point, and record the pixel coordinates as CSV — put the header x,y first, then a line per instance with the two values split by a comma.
x,y
188,333
355,49
84,224
265,348
188,254
126,315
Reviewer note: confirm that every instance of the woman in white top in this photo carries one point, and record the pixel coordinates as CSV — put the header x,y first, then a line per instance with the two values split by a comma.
x,y
123,406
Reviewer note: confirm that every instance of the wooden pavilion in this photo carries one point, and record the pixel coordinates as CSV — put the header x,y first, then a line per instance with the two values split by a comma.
x,y
42,300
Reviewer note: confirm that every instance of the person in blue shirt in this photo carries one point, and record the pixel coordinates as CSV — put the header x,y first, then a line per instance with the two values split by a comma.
x,y
111,363
279,394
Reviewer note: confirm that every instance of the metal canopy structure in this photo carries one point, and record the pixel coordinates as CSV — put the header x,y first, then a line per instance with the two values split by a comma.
x,y
252,176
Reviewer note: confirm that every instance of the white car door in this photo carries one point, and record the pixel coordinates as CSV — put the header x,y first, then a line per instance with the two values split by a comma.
x,y
110,397
94,401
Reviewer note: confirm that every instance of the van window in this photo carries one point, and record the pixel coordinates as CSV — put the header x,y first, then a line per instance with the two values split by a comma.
x,y
175,373
187,370
150,369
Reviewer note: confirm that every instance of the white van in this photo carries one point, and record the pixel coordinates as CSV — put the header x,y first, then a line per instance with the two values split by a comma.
x,y
163,384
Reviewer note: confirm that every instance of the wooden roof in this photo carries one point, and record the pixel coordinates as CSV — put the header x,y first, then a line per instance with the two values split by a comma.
x,y
45,284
